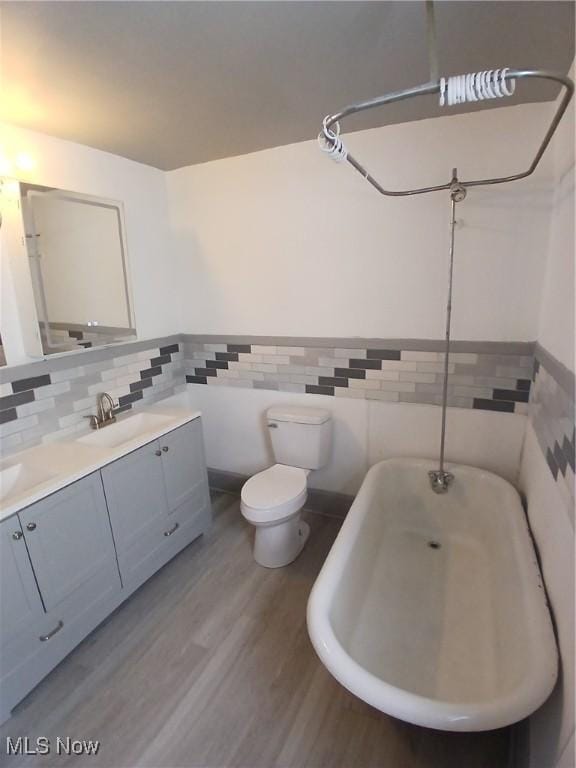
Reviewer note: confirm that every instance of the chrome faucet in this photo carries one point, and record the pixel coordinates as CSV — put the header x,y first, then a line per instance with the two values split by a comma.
x,y
440,480
105,414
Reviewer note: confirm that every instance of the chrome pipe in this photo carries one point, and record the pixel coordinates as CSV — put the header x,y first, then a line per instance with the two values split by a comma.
x,y
434,87
440,480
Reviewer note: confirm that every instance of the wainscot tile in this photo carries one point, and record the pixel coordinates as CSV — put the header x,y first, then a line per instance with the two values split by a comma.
x,y
9,414
229,356
216,364
383,354
332,381
560,458
374,364
551,461
569,452
196,379
316,390
11,401
493,405
160,360
169,349
509,394
239,348
125,399
31,383
149,372
350,373
523,384
143,384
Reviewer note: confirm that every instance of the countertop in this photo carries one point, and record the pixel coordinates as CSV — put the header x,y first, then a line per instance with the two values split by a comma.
x,y
55,465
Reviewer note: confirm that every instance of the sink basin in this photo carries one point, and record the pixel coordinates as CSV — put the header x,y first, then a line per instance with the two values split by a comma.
x,y
21,477
123,431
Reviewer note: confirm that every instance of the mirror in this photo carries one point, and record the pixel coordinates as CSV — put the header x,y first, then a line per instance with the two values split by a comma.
x,y
78,262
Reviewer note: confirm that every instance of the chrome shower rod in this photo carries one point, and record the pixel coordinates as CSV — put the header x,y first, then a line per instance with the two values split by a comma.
x,y
434,87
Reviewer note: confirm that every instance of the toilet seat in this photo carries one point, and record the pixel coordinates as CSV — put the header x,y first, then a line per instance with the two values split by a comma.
x,y
274,494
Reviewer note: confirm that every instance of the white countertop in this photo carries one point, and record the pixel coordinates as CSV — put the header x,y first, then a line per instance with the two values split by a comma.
x,y
58,464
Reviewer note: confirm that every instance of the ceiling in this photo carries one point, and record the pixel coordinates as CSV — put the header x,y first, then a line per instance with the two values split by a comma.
x,y
176,83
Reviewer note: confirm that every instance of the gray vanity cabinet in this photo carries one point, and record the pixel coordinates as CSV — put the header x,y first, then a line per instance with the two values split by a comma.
x,y
67,561
70,543
136,498
185,468
20,603
59,581
158,501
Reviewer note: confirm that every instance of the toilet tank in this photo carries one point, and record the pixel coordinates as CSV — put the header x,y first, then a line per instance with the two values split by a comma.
x,y
301,437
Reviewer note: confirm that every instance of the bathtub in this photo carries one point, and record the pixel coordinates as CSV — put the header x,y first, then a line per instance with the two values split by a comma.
x,y
431,608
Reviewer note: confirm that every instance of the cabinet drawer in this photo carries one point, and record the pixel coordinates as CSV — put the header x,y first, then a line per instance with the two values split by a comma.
x,y
196,500
157,547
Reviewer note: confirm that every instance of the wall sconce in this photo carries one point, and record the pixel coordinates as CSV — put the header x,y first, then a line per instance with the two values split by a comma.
x,y
23,163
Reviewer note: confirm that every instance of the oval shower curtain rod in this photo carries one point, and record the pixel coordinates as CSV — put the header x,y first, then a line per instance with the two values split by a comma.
x,y
462,88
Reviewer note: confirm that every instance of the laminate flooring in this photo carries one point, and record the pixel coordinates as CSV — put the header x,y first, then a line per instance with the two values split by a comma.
x,y
209,665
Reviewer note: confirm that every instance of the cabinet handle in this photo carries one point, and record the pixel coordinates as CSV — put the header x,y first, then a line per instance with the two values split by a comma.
x,y
30,526
17,535
170,531
57,628
165,449
158,453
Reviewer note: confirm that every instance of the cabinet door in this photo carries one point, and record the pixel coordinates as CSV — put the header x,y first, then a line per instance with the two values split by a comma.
x,y
185,466
20,603
136,496
69,539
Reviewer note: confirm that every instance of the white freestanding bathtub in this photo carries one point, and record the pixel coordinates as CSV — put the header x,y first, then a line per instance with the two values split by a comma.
x,y
431,607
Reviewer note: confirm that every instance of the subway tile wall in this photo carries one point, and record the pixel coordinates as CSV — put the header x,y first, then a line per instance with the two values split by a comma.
x,y
552,415
478,379
47,400
51,400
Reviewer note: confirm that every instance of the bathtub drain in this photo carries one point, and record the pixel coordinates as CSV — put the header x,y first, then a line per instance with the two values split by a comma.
x,y
434,544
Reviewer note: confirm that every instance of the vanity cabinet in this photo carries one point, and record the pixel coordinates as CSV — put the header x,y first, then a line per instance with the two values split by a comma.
x,y
69,560
59,577
20,604
70,543
158,501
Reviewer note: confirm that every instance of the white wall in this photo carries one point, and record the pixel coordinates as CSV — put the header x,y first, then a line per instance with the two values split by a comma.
x,y
286,242
364,432
553,725
141,188
552,728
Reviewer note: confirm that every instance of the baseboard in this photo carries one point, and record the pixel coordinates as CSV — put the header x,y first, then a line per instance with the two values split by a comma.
x,y
320,502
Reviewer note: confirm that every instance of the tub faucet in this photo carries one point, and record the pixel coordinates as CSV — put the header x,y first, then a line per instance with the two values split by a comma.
x,y
440,480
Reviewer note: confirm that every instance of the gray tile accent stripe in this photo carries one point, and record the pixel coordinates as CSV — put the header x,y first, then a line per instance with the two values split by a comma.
x,y
563,375
45,401
81,357
498,378
552,414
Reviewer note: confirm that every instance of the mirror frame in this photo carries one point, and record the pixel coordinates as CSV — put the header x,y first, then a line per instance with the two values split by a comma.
x,y
29,191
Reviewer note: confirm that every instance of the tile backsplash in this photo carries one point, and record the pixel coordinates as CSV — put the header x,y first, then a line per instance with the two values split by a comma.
x,y
552,415
48,400
484,376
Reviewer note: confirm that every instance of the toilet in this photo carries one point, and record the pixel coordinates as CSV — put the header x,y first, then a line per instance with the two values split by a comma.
x,y
272,499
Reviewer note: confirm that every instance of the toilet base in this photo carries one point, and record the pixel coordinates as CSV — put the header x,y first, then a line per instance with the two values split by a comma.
x,y
278,545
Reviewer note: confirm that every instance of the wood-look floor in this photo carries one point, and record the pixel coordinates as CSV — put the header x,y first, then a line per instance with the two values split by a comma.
x,y
209,665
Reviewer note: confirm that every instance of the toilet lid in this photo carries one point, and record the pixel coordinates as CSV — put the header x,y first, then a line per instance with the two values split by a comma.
x,y
274,487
